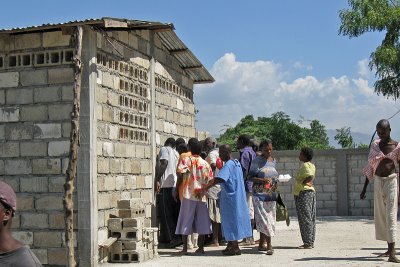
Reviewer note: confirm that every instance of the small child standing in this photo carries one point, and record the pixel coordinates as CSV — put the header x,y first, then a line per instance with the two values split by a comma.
x,y
305,198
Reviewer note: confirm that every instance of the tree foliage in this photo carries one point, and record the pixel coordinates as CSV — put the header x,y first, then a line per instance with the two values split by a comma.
x,y
377,15
344,138
284,133
315,136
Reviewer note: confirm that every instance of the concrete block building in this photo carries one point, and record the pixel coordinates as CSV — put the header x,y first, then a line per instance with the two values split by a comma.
x,y
136,91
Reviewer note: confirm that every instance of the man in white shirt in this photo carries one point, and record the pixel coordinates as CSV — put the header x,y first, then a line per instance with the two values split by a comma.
x,y
168,203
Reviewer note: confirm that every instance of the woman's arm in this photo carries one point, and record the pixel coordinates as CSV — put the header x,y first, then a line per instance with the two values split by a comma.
x,y
257,180
308,180
212,183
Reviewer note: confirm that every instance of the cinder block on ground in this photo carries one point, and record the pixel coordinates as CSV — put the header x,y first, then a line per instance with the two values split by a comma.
x,y
132,222
148,208
130,213
130,256
116,248
132,234
132,245
115,224
147,222
134,203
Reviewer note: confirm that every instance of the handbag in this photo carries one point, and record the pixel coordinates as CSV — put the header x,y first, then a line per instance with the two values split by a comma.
x,y
282,213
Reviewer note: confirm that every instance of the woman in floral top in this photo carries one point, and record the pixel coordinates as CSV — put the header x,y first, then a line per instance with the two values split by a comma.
x,y
194,173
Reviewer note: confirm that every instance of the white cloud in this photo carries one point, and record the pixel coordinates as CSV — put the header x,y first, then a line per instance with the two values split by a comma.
x,y
298,65
363,68
261,88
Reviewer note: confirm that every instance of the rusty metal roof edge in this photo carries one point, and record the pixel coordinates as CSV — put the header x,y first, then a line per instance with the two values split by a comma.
x,y
92,21
179,44
128,24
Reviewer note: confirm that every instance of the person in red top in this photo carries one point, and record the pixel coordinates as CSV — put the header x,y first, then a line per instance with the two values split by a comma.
x,y
383,160
194,173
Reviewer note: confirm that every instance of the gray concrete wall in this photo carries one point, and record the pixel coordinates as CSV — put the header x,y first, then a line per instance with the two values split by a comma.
x,y
36,93
338,182
142,98
134,96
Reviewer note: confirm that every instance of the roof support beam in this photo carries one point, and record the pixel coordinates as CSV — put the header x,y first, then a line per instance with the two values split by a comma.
x,y
178,51
192,67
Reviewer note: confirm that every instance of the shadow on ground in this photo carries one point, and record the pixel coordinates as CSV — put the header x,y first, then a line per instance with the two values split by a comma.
x,y
367,259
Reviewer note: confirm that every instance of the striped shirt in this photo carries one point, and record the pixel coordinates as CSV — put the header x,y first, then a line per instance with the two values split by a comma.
x,y
376,156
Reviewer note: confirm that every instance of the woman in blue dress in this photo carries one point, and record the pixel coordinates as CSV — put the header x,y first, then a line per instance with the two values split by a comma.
x,y
235,220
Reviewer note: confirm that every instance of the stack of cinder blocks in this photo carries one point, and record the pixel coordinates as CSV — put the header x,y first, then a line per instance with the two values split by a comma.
x,y
136,241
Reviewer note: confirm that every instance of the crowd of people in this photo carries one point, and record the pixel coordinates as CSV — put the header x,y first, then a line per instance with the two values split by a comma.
x,y
227,198
202,191
206,197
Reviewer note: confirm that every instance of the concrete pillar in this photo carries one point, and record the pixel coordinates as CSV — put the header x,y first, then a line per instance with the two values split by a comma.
x,y
153,119
342,186
87,166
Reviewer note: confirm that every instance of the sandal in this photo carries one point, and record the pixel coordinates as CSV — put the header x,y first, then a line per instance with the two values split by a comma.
x,y
200,251
230,252
226,249
384,255
262,248
183,253
270,251
304,246
393,259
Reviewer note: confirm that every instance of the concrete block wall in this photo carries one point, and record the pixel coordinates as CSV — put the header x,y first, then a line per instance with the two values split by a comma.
x,y
124,163
36,93
174,107
124,117
175,112
358,207
338,182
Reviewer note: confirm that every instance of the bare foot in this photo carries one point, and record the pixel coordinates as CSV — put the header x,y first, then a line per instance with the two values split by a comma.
x,y
392,258
200,251
384,255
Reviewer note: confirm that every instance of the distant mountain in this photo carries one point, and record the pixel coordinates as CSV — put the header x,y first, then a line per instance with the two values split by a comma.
x,y
359,138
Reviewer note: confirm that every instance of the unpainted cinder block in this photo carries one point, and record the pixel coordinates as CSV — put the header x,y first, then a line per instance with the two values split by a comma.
x,y
132,233
10,114
26,41
9,79
132,222
63,75
115,224
56,38
134,203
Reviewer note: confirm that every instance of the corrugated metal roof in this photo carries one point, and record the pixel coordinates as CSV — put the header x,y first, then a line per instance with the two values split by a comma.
x,y
187,60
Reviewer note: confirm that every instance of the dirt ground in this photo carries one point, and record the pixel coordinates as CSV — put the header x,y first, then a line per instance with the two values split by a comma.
x,y
340,241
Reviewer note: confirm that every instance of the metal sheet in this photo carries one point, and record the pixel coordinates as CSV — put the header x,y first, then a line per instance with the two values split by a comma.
x,y
187,60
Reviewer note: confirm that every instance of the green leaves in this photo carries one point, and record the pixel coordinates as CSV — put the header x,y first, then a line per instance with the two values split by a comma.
x,y
284,133
377,15
344,138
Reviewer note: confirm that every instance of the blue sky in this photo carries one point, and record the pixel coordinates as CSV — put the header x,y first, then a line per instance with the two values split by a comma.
x,y
266,56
